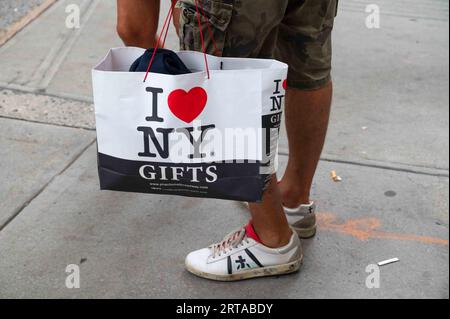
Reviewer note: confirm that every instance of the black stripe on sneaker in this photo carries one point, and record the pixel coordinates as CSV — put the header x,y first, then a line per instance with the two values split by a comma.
x,y
249,253
230,267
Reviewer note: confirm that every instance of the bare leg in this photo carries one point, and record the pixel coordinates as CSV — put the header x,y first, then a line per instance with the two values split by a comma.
x,y
307,117
137,22
269,221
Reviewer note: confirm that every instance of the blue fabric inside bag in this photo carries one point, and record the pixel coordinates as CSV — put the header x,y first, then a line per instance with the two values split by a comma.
x,y
165,62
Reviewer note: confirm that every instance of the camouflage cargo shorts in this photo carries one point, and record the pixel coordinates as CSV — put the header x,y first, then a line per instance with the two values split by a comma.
x,y
297,32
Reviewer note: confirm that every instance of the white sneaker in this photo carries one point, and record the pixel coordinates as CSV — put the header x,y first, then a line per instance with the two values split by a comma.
x,y
241,255
302,219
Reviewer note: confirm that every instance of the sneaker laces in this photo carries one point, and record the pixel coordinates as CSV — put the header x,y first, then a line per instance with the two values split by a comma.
x,y
231,241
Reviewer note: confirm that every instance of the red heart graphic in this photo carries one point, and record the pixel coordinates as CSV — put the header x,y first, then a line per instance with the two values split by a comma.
x,y
187,106
285,84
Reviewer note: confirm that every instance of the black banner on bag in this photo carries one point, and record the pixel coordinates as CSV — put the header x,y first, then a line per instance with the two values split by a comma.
x,y
237,180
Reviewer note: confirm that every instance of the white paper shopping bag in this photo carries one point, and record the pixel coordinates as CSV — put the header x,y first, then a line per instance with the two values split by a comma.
x,y
188,134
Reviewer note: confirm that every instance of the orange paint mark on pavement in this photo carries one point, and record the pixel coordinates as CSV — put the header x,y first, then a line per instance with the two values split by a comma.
x,y
365,228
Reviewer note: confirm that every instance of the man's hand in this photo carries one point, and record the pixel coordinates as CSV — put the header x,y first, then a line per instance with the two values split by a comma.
x,y
176,18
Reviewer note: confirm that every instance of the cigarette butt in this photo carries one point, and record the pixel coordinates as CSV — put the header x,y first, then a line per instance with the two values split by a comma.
x,y
388,261
335,177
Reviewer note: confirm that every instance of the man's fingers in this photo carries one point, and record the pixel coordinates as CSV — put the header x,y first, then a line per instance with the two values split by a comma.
x,y
176,19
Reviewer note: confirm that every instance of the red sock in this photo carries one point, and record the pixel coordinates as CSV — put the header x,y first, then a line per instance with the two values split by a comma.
x,y
250,231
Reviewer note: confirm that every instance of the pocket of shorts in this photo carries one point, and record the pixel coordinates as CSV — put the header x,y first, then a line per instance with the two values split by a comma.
x,y
217,12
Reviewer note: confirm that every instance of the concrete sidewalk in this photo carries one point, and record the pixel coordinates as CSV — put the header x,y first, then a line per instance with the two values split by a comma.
x,y
388,140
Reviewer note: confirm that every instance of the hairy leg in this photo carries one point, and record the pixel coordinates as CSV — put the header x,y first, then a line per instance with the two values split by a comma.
x,y
307,117
268,217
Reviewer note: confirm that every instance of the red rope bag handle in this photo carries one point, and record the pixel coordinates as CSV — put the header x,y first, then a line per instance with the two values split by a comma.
x,y
165,31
